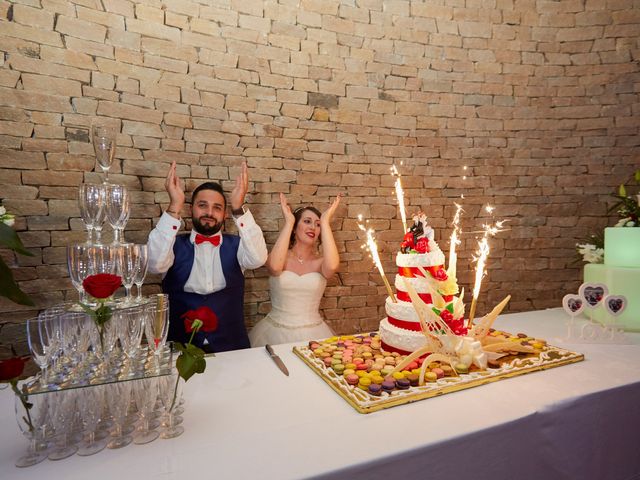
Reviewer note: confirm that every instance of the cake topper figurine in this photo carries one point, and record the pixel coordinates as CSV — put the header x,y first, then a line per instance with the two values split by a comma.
x,y
418,237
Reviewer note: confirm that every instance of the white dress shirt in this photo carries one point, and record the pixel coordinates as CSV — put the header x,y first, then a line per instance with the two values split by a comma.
x,y
206,274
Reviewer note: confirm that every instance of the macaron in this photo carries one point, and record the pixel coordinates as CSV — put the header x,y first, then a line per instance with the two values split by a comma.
x,y
389,385
403,383
375,389
352,379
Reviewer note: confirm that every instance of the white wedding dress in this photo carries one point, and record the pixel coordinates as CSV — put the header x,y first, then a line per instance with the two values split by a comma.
x,y
294,316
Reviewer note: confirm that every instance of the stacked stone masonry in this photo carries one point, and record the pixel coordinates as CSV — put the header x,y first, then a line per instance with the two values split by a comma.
x,y
530,106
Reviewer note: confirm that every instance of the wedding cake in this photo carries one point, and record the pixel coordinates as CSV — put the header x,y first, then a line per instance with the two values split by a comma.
x,y
420,263
620,272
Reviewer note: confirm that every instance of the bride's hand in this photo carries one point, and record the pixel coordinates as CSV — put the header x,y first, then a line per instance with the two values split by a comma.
x,y
289,218
327,215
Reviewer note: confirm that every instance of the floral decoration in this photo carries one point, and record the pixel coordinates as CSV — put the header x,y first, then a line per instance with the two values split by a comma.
x,y
10,371
101,286
628,208
8,238
191,359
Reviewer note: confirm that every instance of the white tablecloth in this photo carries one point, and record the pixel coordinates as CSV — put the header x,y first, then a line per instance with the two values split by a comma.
x,y
245,419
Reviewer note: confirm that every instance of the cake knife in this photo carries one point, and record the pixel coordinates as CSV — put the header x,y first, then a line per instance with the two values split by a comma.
x,y
277,359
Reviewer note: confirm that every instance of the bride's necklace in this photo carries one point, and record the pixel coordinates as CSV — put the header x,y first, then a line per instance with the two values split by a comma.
x,y
298,257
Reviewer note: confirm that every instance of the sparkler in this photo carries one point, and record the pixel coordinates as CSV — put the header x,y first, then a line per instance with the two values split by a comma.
x,y
400,197
373,250
453,241
482,254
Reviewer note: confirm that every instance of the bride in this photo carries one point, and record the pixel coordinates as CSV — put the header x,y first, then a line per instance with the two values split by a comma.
x,y
298,277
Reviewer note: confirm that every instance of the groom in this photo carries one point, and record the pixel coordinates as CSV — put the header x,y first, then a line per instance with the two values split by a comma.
x,y
206,267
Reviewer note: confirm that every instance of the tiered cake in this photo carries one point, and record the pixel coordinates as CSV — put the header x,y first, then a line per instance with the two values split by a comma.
x,y
421,266
620,273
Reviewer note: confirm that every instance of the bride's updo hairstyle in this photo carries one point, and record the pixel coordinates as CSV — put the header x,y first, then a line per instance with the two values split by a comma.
x,y
297,213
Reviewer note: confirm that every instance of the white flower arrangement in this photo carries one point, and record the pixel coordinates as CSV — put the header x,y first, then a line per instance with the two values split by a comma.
x,y
590,253
6,218
628,207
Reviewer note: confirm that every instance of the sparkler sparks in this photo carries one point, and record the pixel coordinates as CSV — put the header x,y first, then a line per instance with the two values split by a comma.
x,y
453,241
372,246
400,197
481,259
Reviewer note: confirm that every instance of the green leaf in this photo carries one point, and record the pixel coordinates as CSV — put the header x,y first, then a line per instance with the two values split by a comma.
x,y
189,364
9,288
10,239
636,175
622,191
103,314
450,307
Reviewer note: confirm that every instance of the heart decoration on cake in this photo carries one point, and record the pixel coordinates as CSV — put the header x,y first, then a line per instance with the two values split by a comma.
x,y
593,293
573,304
615,304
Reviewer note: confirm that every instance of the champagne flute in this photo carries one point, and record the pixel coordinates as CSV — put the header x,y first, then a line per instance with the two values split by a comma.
x,y
127,267
157,326
102,259
145,393
117,210
104,146
78,264
40,348
130,328
31,423
91,402
62,413
141,273
91,199
170,395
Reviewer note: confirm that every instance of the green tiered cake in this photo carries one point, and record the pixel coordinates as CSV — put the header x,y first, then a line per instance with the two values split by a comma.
x,y
620,272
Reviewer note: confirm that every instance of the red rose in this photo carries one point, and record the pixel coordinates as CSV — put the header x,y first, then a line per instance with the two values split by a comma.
x,y
438,273
422,245
101,285
408,237
205,315
11,368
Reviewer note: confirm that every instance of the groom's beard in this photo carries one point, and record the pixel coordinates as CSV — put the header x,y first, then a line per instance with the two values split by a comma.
x,y
208,229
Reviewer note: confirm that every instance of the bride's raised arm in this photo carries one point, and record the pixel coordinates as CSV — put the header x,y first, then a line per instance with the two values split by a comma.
x,y
277,258
330,256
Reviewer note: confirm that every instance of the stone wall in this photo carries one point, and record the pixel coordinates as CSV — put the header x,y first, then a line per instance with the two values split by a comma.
x,y
530,106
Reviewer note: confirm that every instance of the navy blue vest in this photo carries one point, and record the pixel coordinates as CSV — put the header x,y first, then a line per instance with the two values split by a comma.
x,y
227,303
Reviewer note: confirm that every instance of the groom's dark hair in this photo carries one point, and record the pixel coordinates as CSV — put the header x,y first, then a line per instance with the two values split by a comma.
x,y
215,186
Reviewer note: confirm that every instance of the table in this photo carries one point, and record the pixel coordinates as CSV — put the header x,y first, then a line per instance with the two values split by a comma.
x,y
245,419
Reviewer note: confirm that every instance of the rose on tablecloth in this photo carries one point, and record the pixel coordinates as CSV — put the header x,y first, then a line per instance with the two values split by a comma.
x,y
191,359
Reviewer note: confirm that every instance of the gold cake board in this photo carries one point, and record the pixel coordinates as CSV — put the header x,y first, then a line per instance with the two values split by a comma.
x,y
513,366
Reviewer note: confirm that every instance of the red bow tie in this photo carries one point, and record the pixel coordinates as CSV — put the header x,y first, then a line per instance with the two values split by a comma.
x,y
215,240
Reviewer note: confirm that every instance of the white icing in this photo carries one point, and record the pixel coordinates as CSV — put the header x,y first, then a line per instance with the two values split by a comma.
x,y
401,338
419,284
431,259
401,310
